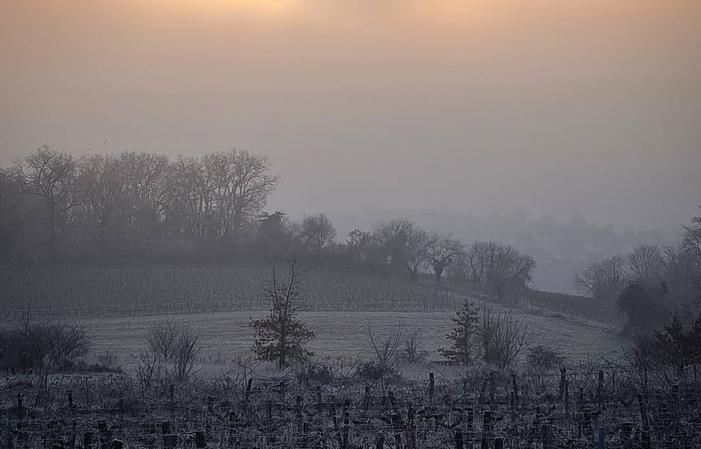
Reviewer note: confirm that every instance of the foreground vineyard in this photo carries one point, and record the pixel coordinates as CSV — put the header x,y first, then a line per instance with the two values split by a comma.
x,y
571,409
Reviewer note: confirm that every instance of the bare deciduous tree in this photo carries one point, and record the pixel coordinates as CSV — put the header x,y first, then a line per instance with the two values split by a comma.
x,y
174,344
646,264
17,208
102,196
51,175
503,336
442,252
499,266
317,231
603,280
405,245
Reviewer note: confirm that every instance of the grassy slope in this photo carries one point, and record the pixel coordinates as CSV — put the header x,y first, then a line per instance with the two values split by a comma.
x,y
118,305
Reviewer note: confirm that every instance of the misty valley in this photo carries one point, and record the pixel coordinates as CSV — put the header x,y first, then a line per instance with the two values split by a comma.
x,y
155,302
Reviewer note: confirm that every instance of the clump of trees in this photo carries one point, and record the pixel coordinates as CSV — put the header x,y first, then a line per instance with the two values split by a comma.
x,y
650,285
42,345
100,206
496,338
281,337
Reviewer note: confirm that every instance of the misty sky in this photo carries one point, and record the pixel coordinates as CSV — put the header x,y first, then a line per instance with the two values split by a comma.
x,y
480,106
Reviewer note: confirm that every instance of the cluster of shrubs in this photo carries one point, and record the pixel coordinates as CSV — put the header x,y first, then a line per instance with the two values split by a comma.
x,y
42,345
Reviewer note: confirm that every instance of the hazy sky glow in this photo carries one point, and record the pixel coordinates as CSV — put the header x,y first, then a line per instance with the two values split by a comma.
x,y
552,106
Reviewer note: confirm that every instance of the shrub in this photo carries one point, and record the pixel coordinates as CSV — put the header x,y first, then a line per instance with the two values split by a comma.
x,y
316,373
42,345
172,349
373,371
412,348
503,337
543,358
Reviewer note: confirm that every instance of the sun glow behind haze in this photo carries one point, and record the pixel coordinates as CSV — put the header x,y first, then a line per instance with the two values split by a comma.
x,y
269,8
526,90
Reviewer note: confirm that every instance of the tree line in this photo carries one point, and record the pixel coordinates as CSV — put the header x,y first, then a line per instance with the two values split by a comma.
x,y
55,207
650,284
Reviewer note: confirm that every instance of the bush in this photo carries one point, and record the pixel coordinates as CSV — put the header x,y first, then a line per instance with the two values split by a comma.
x,y
42,345
543,358
374,371
412,348
172,351
316,373
503,338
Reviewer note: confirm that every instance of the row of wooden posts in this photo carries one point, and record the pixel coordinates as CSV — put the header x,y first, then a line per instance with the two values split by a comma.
x,y
487,390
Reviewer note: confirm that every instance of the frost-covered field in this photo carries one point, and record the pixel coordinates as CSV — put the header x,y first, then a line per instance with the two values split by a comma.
x,y
227,336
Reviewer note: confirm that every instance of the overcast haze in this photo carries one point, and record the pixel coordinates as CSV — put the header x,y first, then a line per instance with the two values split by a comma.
x,y
479,106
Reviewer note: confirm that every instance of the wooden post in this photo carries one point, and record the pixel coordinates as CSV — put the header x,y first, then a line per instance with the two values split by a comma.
x,y
9,428
319,401
171,392
346,428
380,443
492,387
298,413
563,379
486,427
305,435
366,400
646,443
600,444
431,386
87,440
547,440
483,390
514,385
410,435
567,397
499,443
199,440
464,400
458,439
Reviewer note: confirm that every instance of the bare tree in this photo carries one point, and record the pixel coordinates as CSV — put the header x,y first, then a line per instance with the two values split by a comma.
x,y
17,209
146,178
499,266
51,175
646,264
442,252
386,352
317,231
603,280
405,244
102,196
691,239
174,345
503,337
252,185
281,336
361,245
